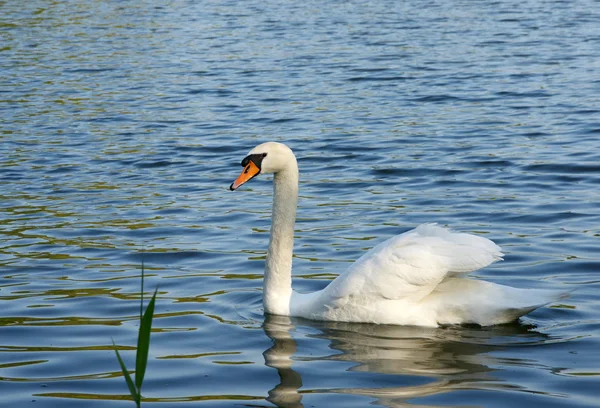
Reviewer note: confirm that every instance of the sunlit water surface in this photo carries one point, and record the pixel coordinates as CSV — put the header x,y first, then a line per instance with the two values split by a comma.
x,y
123,124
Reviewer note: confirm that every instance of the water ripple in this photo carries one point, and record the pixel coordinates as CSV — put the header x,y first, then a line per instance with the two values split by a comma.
x,y
122,128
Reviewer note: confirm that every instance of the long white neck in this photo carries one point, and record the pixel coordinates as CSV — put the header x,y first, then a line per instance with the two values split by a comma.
x,y
278,267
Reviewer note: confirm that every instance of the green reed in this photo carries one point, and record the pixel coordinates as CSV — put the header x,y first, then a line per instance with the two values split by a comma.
x,y
143,345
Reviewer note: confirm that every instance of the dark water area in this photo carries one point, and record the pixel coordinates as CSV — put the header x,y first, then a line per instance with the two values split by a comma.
x,y
123,123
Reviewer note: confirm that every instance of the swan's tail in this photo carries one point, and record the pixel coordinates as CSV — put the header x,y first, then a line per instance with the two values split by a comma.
x,y
463,300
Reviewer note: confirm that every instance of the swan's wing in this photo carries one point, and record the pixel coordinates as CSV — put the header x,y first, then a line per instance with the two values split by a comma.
x,y
412,264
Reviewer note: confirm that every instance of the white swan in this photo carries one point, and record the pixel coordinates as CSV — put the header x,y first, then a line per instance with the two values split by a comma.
x,y
415,278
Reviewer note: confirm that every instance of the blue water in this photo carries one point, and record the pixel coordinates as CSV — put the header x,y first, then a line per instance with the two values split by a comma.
x,y
122,124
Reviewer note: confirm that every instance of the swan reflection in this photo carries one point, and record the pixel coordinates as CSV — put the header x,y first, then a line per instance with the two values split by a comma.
x,y
442,359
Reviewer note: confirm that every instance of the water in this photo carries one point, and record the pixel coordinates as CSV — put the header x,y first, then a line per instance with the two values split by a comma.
x,y
123,124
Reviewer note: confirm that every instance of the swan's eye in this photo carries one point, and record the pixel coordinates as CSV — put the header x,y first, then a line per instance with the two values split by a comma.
x,y
256,158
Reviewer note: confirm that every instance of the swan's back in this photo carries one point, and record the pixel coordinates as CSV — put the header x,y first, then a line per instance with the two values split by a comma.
x,y
419,278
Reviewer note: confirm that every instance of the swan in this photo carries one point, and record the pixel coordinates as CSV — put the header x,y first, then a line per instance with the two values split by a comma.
x,y
415,278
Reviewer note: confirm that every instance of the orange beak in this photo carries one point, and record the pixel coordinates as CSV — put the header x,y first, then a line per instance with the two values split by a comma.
x,y
249,172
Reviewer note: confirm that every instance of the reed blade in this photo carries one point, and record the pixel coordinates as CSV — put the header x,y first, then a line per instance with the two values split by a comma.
x,y
132,390
142,290
144,343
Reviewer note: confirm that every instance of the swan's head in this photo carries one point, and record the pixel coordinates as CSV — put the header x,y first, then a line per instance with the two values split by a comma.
x,y
270,157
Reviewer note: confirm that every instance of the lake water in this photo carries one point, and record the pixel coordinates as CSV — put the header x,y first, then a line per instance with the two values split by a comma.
x,y
123,124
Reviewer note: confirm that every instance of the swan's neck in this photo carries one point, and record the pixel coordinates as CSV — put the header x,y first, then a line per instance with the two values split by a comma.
x,y
278,268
